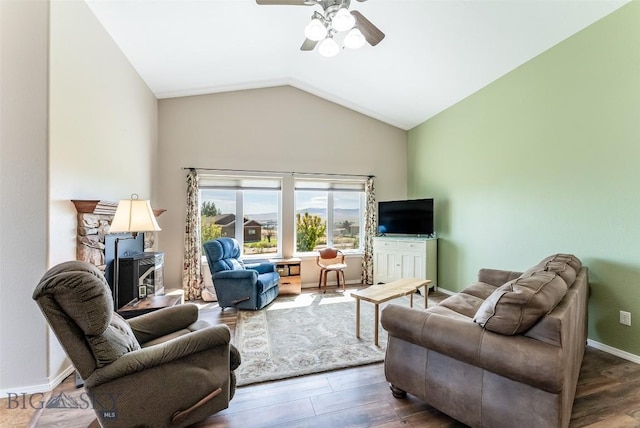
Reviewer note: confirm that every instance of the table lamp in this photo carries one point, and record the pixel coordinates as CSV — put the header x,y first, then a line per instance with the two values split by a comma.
x,y
132,216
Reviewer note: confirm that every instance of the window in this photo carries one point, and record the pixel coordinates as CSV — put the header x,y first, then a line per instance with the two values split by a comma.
x,y
329,213
254,200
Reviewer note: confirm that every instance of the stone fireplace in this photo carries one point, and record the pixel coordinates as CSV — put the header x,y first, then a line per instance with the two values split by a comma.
x,y
94,221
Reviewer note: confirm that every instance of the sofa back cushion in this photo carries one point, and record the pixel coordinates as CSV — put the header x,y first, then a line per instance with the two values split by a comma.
x,y
517,305
566,265
468,300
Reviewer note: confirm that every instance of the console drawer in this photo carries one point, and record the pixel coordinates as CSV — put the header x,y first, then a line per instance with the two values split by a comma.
x,y
383,244
412,246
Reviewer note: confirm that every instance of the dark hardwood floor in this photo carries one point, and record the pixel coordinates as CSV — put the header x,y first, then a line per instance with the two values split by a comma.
x,y
608,395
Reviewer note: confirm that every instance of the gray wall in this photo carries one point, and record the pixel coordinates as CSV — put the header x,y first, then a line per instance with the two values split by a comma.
x,y
24,47
77,123
276,129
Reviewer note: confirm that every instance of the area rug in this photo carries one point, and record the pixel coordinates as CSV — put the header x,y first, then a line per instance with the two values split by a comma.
x,y
309,333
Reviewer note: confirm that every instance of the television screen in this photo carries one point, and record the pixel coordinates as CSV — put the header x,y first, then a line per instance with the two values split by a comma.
x,y
408,217
127,246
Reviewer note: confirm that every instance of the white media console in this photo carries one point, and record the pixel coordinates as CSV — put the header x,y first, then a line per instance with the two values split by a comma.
x,y
405,257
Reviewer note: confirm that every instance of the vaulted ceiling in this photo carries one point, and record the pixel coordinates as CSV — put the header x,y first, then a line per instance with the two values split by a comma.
x,y
435,53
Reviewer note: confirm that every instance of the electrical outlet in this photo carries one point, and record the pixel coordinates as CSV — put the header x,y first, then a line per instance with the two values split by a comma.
x,y
625,318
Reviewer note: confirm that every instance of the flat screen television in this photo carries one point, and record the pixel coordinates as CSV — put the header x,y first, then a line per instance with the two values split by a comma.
x,y
408,217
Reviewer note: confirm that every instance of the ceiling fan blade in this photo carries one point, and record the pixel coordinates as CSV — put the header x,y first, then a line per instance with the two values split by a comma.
x,y
370,32
308,45
285,2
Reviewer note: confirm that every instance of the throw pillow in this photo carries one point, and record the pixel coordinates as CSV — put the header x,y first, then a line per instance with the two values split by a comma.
x,y
517,305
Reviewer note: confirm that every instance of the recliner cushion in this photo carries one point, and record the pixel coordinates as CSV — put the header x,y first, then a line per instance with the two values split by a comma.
x,y
267,281
223,254
83,294
517,305
116,341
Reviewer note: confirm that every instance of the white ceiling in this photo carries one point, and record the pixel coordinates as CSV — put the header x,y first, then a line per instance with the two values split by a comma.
x,y
435,53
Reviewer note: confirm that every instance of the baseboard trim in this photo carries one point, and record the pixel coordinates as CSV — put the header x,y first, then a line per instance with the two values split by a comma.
x,y
41,388
614,351
445,291
62,376
332,283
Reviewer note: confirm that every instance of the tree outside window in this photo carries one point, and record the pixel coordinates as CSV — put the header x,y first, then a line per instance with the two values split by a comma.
x,y
328,218
309,229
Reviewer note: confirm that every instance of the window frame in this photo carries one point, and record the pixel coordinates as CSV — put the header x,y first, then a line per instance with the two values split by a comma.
x,y
240,184
330,186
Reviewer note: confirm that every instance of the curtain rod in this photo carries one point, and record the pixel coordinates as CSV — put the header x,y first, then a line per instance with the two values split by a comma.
x,y
278,172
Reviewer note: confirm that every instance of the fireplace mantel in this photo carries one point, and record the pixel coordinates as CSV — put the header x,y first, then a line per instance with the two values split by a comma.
x,y
88,206
85,206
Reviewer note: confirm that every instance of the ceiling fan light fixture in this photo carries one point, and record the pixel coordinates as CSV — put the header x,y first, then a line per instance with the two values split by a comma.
x,y
328,47
315,30
343,20
354,39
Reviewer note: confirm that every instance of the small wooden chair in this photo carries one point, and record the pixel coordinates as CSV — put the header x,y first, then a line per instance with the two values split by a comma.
x,y
331,260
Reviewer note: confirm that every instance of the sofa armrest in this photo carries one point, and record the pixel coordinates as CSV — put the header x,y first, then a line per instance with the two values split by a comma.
x,y
497,277
248,274
163,321
163,353
454,337
517,357
261,267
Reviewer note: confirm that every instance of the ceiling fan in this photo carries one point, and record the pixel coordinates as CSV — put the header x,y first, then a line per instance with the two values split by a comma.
x,y
334,19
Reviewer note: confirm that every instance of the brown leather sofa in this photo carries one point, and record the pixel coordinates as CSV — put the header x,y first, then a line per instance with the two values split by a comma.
x,y
504,352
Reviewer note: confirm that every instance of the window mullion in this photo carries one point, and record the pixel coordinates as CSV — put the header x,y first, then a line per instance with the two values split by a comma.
x,y
239,229
330,218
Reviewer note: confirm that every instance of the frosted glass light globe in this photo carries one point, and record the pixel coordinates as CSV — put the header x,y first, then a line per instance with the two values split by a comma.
x,y
343,20
354,39
328,47
315,30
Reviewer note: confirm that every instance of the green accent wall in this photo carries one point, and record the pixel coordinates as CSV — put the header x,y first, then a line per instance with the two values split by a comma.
x,y
545,160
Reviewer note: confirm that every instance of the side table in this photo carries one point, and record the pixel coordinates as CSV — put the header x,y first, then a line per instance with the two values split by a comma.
x,y
290,274
150,304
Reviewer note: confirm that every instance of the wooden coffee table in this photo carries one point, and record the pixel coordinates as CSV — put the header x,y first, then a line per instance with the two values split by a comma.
x,y
380,293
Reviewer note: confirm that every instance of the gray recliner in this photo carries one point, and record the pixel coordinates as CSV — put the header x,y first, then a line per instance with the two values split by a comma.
x,y
164,368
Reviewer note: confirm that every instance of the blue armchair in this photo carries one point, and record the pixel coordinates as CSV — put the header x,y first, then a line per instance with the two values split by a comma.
x,y
239,285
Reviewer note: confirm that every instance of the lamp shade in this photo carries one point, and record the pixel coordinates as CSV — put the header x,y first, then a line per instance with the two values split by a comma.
x,y
134,215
